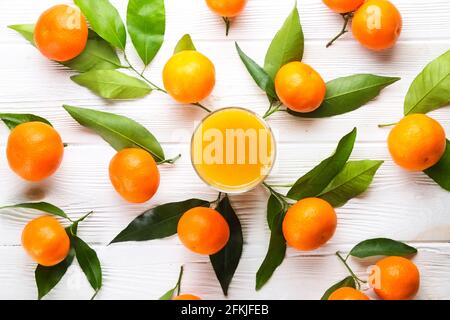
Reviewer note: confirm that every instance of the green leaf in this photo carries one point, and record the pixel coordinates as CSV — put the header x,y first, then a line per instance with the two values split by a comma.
x,y
274,208
430,90
26,30
185,43
41,206
381,247
168,295
316,180
146,22
354,179
286,46
275,253
119,131
88,261
105,20
261,77
347,94
12,120
48,277
347,282
158,222
226,261
440,172
98,55
112,84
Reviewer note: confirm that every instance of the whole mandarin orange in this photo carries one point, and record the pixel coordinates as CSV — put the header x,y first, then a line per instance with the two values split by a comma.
x,y
227,8
189,76
309,224
417,142
61,33
203,230
134,174
348,293
46,241
395,278
186,297
343,6
34,150
377,24
300,87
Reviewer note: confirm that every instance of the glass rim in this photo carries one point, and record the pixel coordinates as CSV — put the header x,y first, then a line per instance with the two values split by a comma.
x,y
263,177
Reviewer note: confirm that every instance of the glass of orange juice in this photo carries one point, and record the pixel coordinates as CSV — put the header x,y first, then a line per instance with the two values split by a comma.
x,y
233,150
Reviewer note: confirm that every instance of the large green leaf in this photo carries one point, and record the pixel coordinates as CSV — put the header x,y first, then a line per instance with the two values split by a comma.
x,y
286,46
381,247
440,172
347,94
261,77
105,20
275,253
226,261
158,222
430,90
26,30
48,277
12,120
40,206
119,131
354,179
112,84
316,180
88,261
347,282
185,43
146,22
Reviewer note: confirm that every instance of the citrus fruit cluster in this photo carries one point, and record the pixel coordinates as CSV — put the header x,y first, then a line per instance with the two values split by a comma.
x,y
305,218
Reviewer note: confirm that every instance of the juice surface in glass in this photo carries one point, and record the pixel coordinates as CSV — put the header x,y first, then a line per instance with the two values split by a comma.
x,y
233,150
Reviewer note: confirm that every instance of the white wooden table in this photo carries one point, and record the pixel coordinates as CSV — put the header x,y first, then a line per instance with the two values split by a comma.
x,y
400,205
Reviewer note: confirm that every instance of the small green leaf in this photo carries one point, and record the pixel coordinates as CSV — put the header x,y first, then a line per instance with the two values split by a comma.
x,y
26,30
262,79
112,84
88,261
354,179
430,90
168,295
286,46
185,43
440,172
381,247
119,131
347,94
316,180
347,282
274,208
105,20
226,261
98,55
48,277
158,222
12,120
275,253
146,22
40,206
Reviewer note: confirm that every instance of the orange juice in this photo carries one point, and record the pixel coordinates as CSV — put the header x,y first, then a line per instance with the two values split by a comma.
x,y
233,150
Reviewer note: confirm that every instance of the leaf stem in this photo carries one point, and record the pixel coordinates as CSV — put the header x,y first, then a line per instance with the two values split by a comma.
x,y
289,185
95,294
227,25
84,217
201,106
274,107
178,285
141,74
387,125
170,161
283,199
346,16
344,261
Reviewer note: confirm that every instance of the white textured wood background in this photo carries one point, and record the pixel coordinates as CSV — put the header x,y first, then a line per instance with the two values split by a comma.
x,y
405,206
